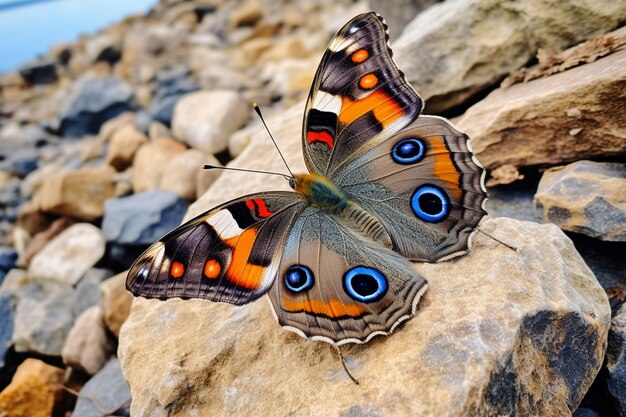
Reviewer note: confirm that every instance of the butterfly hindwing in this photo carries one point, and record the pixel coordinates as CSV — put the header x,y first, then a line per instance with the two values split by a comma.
x,y
358,94
337,286
424,185
227,254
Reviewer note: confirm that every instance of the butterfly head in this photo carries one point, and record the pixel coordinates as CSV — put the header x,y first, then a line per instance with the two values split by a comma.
x,y
322,193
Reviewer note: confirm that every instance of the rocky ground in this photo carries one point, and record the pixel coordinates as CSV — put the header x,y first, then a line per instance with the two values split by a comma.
x,y
101,141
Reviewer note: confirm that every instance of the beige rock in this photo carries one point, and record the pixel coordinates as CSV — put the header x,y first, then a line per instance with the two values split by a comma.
x,y
158,130
149,162
247,14
497,333
453,50
87,346
585,197
69,255
528,124
123,145
180,173
33,391
205,119
239,140
289,47
116,302
400,12
78,193
111,126
41,239
249,52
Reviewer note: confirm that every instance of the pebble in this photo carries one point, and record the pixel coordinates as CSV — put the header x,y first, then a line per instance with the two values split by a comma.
x,y
87,347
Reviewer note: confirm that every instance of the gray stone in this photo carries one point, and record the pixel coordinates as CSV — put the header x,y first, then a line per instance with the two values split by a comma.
x,y
143,217
8,257
497,38
43,317
108,389
616,361
171,86
88,289
585,197
91,102
399,13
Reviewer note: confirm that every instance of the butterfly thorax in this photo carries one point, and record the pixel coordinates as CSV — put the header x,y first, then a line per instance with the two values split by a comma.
x,y
328,197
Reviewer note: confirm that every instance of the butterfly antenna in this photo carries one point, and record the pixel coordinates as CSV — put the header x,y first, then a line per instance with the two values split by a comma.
x,y
258,111
496,239
345,367
207,166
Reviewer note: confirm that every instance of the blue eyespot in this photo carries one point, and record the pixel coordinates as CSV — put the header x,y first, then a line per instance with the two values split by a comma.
x,y
365,284
408,151
430,203
298,278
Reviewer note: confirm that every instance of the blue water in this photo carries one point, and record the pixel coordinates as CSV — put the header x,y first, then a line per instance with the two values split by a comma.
x,y
29,27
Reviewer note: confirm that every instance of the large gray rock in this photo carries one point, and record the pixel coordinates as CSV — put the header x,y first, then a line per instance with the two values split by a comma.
x,y
455,49
91,102
585,197
142,218
498,332
550,121
43,317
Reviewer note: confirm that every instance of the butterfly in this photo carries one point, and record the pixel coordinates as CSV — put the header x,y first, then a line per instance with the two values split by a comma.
x,y
386,186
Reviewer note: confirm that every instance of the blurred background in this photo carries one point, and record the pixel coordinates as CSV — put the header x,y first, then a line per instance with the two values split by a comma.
x,y
108,108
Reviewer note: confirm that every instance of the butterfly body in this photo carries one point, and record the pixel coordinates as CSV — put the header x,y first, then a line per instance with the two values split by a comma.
x,y
385,186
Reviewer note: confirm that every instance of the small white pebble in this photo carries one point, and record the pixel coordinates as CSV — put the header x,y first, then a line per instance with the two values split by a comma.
x,y
576,131
573,112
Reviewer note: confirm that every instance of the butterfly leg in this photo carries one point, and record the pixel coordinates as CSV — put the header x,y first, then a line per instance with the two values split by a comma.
x,y
345,367
496,239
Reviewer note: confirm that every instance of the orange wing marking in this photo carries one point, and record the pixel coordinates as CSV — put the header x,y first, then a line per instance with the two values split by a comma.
x,y
359,56
386,110
323,137
444,168
177,270
240,272
368,81
212,269
334,308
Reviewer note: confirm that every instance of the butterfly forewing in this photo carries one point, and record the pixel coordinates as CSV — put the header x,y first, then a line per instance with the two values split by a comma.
x,y
357,96
227,254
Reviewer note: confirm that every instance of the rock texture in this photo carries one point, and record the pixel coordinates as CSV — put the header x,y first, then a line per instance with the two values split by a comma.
x,y
585,197
498,37
69,255
616,361
108,389
499,332
116,302
558,119
87,346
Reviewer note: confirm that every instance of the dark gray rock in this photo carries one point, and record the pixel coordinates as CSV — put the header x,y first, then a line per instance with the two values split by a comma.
x,y
43,317
171,86
10,200
93,101
21,163
88,289
585,412
142,218
7,261
108,388
585,197
514,201
41,71
6,326
616,361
